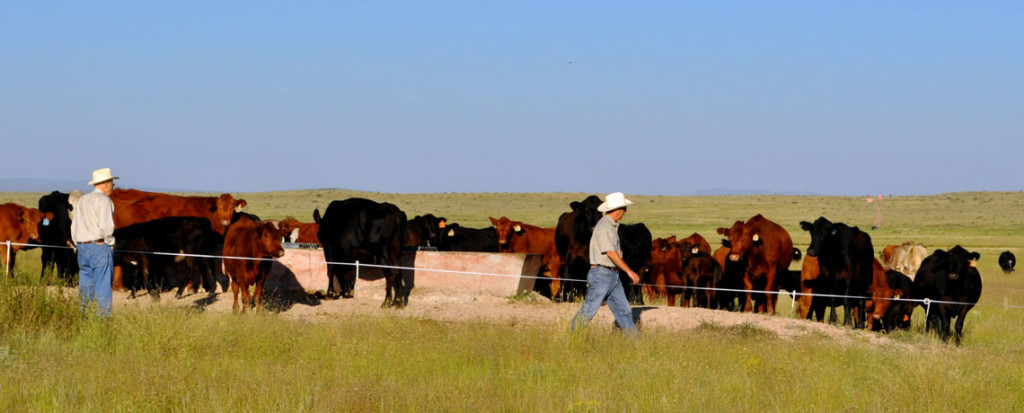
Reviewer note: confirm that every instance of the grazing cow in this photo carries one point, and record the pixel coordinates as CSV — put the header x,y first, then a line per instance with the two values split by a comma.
x,y
729,294
424,231
907,258
358,229
250,239
950,277
768,250
663,274
1006,261
459,238
886,254
132,206
137,243
700,274
300,232
57,234
572,239
845,257
888,289
19,225
516,236
635,240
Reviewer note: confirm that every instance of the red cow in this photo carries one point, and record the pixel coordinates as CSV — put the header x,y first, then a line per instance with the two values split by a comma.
x,y
700,274
133,206
768,250
515,236
808,274
306,231
250,239
664,269
18,224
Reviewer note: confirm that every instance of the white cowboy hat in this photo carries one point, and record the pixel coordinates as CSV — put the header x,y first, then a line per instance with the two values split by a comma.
x,y
614,201
101,175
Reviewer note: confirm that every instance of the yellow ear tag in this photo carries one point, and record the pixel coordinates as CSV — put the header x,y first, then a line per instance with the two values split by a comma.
x,y
756,238
974,264
451,233
517,228
440,224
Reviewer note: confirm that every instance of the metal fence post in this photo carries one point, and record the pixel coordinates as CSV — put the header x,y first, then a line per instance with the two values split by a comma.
x,y
7,270
356,281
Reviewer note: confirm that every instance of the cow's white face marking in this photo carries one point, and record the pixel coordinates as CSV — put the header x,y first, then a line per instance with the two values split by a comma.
x,y
294,236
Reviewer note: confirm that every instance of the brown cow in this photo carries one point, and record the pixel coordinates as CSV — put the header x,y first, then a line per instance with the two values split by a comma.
x,y
250,239
808,274
768,250
663,271
306,232
515,236
132,206
18,224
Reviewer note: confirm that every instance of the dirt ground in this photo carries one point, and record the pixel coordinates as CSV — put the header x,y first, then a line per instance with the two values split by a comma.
x,y
459,305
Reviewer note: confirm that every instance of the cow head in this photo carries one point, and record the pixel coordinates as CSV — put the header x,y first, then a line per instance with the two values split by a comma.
x,y
29,220
742,238
688,249
506,229
288,229
269,240
959,262
820,230
424,230
225,208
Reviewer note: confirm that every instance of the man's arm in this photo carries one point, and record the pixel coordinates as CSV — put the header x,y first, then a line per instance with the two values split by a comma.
x,y
614,256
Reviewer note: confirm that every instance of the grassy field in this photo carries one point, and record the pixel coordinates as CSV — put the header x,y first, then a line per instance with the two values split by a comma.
x,y
169,359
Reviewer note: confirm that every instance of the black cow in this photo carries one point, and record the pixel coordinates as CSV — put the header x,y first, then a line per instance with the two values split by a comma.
x,y
572,240
845,257
455,237
57,234
635,240
424,230
730,293
700,270
135,245
1006,260
951,277
358,229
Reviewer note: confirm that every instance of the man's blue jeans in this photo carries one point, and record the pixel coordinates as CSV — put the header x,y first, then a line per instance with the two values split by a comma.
x,y
96,262
603,284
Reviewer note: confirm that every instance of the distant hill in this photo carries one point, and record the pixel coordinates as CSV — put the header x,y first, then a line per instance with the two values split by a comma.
x,y
732,191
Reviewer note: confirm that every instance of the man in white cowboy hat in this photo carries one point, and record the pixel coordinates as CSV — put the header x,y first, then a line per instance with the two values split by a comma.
x,y
92,229
606,259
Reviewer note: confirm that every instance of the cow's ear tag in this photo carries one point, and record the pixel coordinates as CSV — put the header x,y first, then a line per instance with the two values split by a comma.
x,y
696,250
440,224
756,237
974,264
451,233
833,232
517,228
46,222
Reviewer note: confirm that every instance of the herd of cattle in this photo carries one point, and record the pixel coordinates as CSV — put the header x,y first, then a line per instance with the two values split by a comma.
x,y
746,273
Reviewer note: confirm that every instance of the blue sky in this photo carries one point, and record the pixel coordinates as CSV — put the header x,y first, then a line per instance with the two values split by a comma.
x,y
846,98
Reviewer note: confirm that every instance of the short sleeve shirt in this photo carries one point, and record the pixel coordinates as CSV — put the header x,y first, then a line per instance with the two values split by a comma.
x,y
604,239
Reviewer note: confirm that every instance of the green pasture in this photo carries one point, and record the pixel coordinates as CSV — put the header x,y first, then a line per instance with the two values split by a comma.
x,y
52,358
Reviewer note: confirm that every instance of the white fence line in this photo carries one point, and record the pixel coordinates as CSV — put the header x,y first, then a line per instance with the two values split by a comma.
x,y
794,294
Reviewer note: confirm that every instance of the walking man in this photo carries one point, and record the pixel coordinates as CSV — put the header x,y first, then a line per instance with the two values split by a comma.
x,y
92,229
606,259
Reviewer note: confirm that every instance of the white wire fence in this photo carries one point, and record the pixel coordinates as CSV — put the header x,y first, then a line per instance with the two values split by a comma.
x,y
794,295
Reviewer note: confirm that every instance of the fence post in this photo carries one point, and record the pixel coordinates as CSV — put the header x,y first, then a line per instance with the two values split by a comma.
x,y
7,270
356,281
927,312
792,304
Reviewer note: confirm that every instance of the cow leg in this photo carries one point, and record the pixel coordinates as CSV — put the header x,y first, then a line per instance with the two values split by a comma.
x,y
234,292
960,324
389,287
769,292
749,286
257,293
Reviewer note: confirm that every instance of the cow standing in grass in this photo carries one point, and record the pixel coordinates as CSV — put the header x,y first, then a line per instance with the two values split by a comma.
x,y
258,240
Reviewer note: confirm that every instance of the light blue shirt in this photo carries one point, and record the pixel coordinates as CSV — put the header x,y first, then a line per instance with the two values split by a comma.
x,y
93,218
604,239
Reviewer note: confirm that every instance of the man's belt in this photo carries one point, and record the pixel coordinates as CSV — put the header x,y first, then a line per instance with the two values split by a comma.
x,y
605,266
95,241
